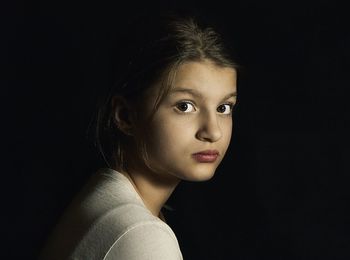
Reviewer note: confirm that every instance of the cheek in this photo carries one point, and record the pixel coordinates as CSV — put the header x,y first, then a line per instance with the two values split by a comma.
x,y
169,136
230,127
227,130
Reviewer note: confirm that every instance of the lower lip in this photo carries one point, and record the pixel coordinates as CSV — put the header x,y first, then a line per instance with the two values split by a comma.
x,y
205,158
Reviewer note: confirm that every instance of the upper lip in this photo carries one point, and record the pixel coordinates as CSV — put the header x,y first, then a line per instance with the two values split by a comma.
x,y
209,152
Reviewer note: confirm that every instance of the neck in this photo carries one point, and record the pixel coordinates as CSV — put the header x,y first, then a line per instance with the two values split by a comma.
x,y
154,189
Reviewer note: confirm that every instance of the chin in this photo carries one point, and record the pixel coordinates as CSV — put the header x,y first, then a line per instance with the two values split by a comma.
x,y
204,174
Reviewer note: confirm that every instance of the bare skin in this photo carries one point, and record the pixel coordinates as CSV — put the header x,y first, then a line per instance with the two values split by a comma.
x,y
195,116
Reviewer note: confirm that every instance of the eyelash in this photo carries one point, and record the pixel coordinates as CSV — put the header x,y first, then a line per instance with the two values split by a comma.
x,y
230,104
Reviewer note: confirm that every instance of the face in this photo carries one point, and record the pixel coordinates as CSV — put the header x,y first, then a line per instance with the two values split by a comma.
x,y
195,117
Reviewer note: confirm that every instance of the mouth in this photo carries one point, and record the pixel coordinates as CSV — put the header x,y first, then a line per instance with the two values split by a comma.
x,y
207,156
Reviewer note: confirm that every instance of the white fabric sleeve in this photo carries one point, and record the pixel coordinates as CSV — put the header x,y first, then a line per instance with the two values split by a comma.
x,y
146,241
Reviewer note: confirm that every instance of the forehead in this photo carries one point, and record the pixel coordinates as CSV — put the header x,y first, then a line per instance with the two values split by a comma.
x,y
205,77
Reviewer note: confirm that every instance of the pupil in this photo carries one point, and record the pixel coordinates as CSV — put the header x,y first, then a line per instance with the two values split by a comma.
x,y
221,108
183,106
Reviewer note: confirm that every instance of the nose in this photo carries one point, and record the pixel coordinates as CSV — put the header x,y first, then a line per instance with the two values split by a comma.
x,y
209,129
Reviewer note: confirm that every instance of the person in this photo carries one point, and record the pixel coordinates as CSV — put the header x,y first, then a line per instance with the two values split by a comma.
x,y
167,118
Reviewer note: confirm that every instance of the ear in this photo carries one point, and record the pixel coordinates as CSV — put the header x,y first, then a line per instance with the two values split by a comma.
x,y
122,114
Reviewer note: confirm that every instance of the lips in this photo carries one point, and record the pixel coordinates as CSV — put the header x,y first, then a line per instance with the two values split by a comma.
x,y
206,156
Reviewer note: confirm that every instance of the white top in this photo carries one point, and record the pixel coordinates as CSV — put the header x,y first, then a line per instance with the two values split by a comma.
x,y
108,220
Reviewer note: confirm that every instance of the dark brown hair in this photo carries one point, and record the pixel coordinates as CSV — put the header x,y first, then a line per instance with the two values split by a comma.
x,y
156,47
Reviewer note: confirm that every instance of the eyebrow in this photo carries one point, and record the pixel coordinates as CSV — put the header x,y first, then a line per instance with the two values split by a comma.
x,y
195,93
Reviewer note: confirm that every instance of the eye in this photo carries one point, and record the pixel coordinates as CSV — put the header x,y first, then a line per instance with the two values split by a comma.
x,y
225,108
185,107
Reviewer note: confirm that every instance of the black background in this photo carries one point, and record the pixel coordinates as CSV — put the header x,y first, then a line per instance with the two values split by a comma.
x,y
281,191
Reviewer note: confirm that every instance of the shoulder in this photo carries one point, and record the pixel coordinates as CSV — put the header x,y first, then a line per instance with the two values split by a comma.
x,y
151,239
128,232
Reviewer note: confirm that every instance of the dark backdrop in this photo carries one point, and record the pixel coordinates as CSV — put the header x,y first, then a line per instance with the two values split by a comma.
x,y
282,189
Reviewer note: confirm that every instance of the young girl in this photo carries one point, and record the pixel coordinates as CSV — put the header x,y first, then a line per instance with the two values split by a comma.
x,y
167,118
